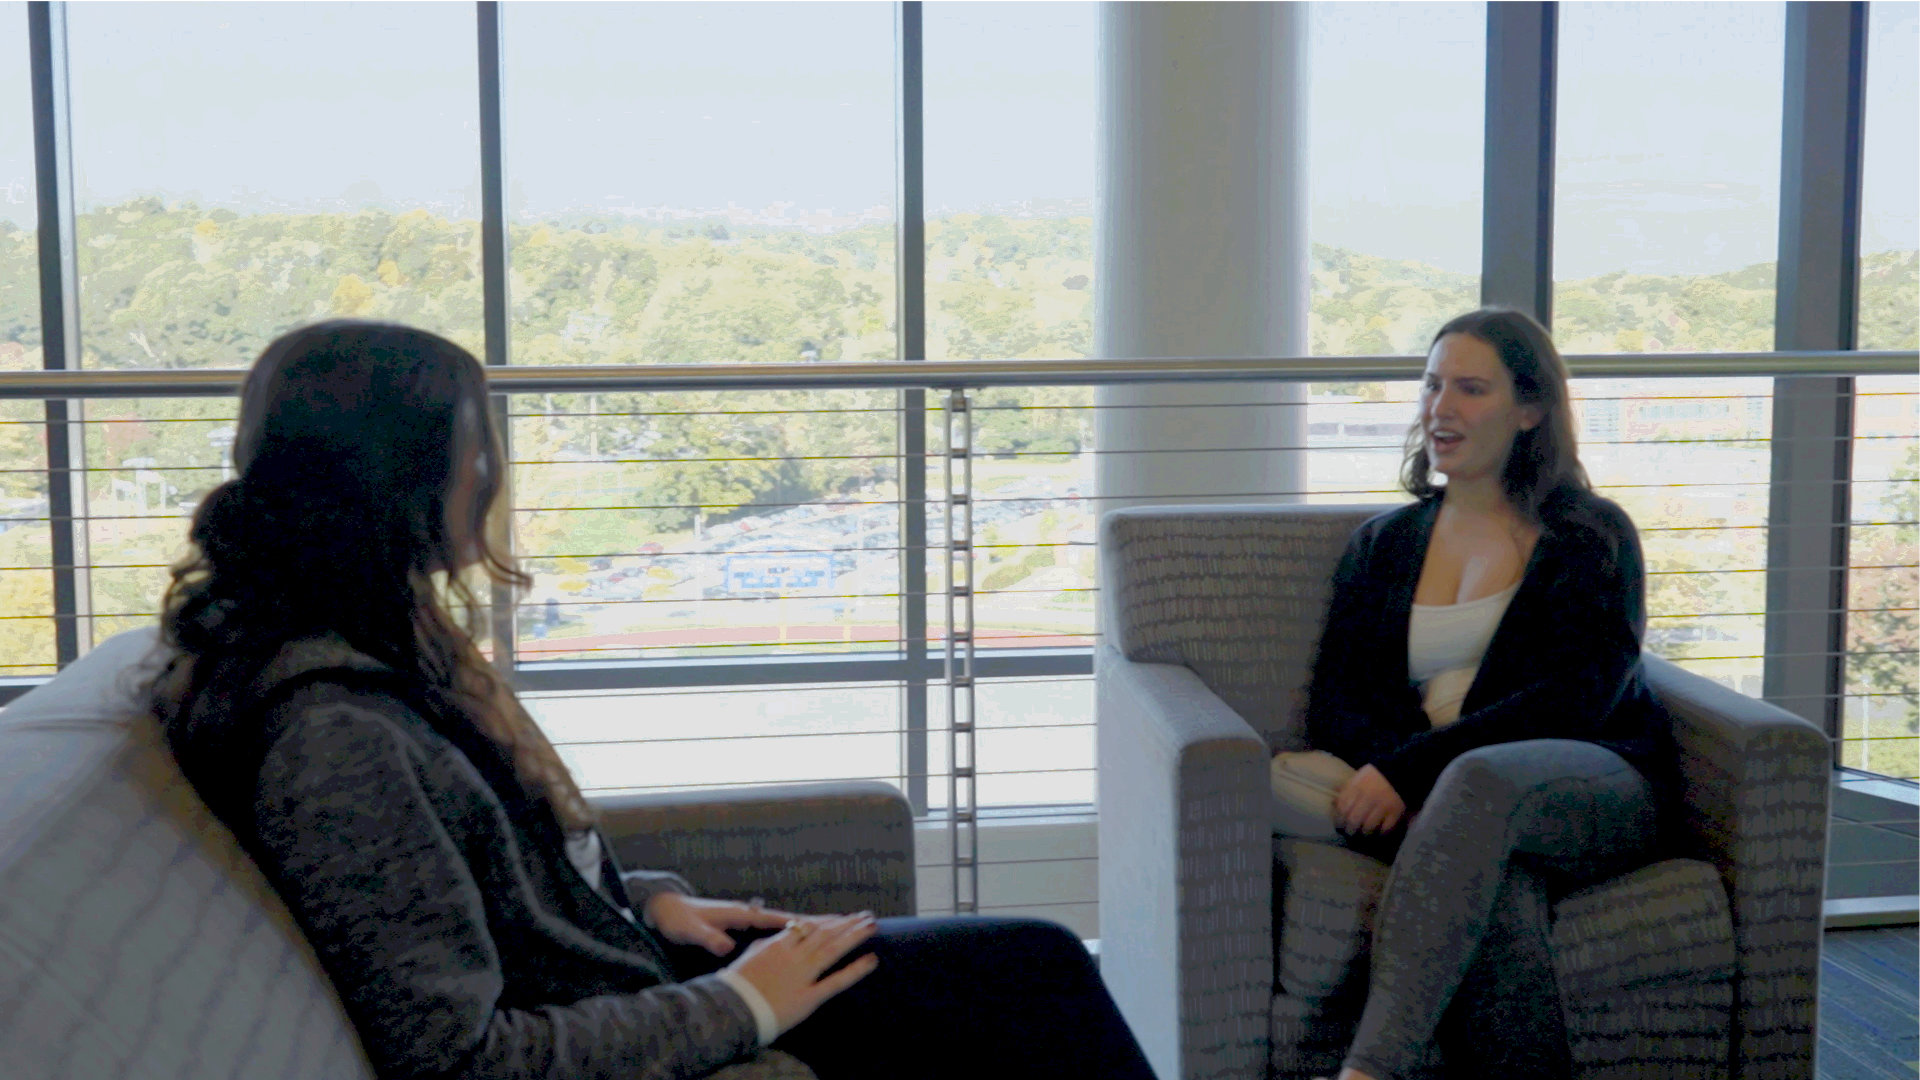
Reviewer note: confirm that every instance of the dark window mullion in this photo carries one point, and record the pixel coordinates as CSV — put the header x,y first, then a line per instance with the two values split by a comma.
x,y
1516,246
493,283
910,328
59,316
1815,308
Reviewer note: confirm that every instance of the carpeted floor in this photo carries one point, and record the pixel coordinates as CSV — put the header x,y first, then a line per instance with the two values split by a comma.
x,y
1869,1015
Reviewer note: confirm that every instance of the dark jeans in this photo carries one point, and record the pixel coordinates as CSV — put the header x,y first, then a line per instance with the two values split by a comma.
x,y
971,997
1568,813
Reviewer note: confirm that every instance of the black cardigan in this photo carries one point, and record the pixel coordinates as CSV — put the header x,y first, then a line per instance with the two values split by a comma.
x,y
1563,664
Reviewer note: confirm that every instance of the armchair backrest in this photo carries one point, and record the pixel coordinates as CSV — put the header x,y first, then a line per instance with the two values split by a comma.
x,y
1238,594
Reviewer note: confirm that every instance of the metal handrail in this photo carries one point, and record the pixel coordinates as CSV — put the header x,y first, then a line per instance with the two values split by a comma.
x,y
972,374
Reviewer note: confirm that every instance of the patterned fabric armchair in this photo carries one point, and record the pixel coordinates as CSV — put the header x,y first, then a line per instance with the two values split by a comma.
x,y
138,941
1237,955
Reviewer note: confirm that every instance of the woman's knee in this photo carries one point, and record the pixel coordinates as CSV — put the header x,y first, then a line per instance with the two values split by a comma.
x,y
1505,772
1041,936
987,943
1040,946
1567,800
1479,775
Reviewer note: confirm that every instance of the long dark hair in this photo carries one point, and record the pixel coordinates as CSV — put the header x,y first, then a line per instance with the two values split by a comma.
x,y
349,437
1545,459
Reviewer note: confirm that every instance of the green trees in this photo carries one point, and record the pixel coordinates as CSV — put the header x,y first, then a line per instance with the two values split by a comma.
x,y
181,286
1884,629
178,286
1890,300
1367,306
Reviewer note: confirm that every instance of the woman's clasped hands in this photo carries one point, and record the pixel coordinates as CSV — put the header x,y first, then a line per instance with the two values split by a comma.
x,y
1368,804
788,967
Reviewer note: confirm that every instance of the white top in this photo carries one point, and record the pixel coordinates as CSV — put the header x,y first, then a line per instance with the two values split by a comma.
x,y
1444,645
583,851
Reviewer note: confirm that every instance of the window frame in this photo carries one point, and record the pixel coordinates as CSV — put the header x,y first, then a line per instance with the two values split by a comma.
x,y
1821,120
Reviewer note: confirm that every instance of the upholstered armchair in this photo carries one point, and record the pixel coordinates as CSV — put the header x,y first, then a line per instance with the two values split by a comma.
x,y
1238,955
138,941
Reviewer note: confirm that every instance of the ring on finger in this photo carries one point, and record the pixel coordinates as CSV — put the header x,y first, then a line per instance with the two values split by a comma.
x,y
799,928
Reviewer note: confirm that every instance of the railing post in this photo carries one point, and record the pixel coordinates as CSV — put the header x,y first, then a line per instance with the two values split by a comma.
x,y
1815,308
963,791
60,326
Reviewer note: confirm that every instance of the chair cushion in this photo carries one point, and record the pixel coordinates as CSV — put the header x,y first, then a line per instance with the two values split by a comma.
x,y
1667,922
1325,897
137,940
1645,965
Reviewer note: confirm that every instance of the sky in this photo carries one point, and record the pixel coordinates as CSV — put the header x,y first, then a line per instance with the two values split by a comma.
x,y
1668,126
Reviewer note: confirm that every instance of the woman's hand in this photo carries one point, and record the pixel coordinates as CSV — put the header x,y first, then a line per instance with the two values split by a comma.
x,y
689,920
786,967
1368,804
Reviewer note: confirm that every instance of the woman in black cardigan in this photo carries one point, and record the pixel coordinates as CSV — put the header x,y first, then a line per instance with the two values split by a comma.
x,y
324,696
1480,672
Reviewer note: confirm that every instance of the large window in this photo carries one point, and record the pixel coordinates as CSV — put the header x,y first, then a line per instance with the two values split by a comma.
x,y
1009,179
1882,715
674,199
221,200
19,249
26,593
694,182
684,526
717,184
1889,231
1010,132
223,197
640,742
706,183
1010,274
1395,168
1666,218
1881,718
1667,203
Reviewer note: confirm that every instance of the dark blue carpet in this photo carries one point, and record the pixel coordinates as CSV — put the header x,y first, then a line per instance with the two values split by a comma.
x,y
1869,1013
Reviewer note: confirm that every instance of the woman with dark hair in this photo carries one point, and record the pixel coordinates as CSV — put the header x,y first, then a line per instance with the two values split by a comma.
x,y
324,694
1477,702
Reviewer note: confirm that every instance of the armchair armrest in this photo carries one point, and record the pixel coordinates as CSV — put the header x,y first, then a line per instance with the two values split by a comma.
x,y
1186,870
843,846
1756,782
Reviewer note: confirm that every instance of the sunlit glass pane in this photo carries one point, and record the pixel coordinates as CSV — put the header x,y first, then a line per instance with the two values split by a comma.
x,y
700,183
1881,725
246,168
1667,199
1395,171
26,582
1889,232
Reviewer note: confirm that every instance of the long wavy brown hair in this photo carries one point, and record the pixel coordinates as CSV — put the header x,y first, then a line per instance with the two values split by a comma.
x,y
352,437
1545,460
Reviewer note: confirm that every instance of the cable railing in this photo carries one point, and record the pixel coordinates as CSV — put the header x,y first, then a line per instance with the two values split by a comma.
x,y
731,545
978,374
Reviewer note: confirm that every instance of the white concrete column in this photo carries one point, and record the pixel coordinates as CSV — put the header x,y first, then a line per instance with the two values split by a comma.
x,y
1201,245
1200,250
